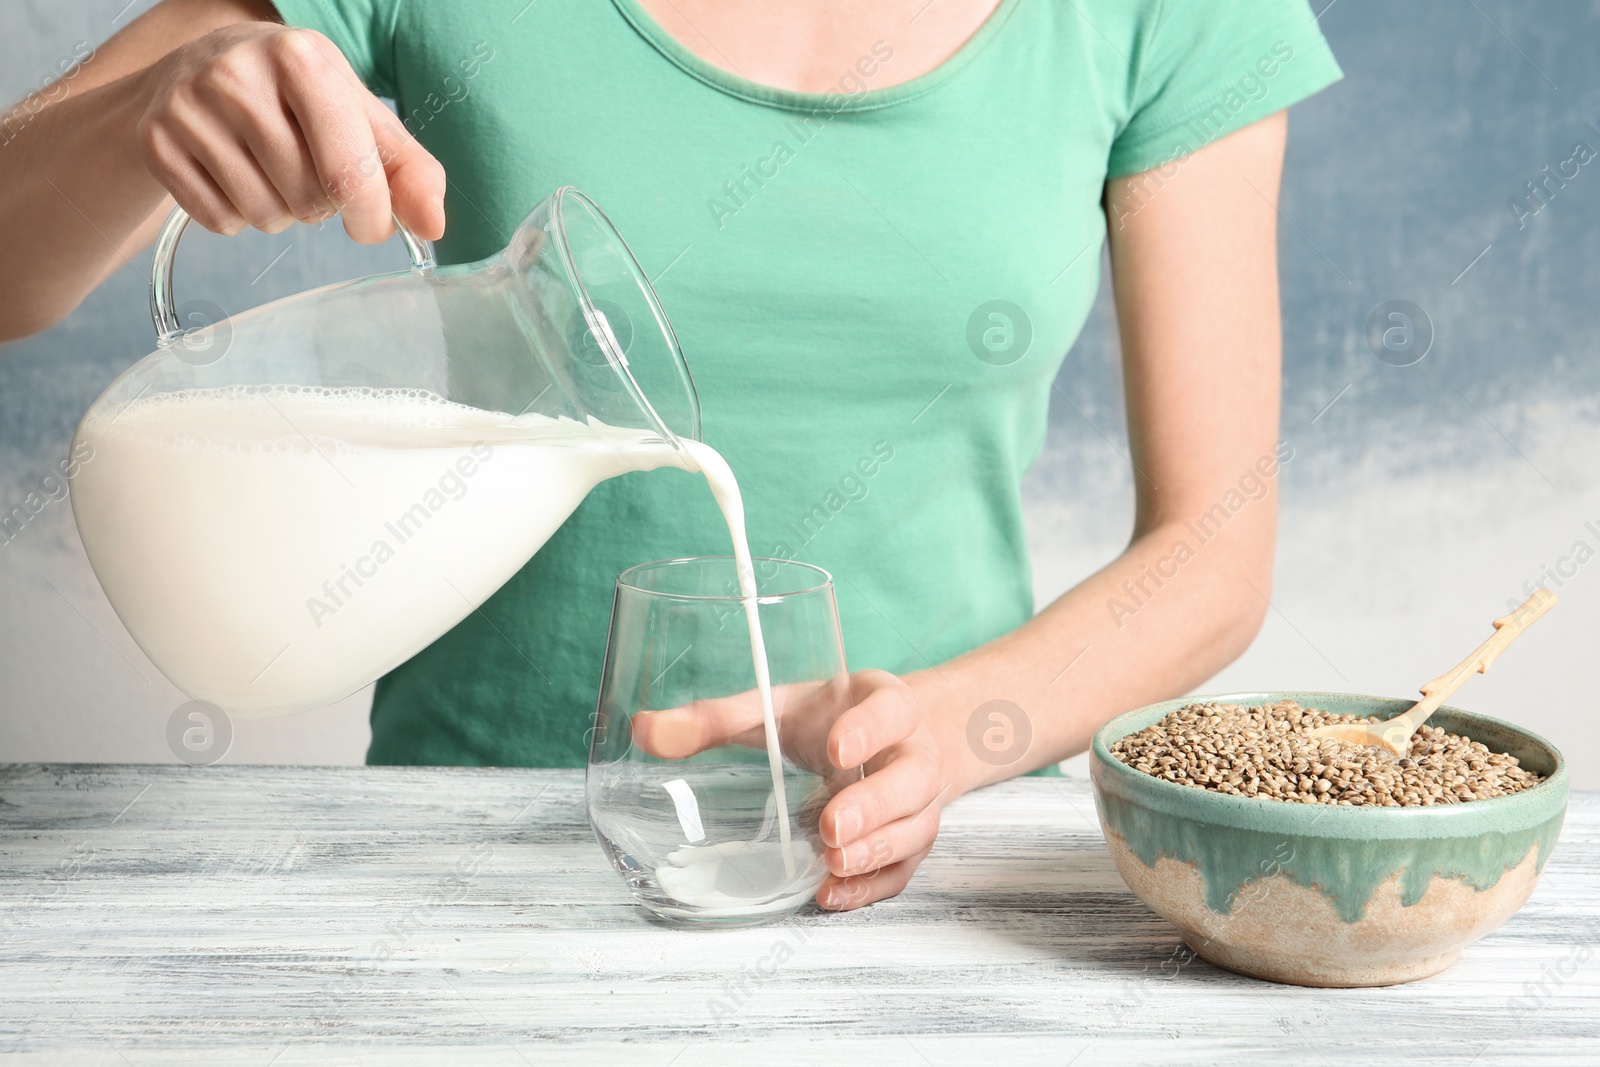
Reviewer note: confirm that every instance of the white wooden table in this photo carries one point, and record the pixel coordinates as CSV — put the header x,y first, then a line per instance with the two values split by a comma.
x,y
251,915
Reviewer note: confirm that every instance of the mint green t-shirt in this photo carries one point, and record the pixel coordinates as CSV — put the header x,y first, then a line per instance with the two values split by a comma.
x,y
874,289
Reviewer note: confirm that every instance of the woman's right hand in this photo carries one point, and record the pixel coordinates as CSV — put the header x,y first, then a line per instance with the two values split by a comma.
x,y
257,124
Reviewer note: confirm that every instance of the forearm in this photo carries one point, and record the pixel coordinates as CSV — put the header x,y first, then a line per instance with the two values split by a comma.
x,y
73,196
77,198
1165,615
1195,278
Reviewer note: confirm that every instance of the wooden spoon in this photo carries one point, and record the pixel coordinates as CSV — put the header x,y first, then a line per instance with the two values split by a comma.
x,y
1395,734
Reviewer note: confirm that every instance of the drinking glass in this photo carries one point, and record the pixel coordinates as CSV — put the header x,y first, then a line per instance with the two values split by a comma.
x,y
680,787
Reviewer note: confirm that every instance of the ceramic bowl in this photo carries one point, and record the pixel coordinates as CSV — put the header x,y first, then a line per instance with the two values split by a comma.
x,y
1329,896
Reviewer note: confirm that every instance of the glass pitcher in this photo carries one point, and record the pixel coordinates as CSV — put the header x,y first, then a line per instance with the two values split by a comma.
x,y
284,504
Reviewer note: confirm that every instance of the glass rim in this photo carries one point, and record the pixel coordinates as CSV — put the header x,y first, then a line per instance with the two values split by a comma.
x,y
824,580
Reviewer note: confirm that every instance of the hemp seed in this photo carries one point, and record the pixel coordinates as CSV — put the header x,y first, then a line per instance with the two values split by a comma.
x,y
1268,751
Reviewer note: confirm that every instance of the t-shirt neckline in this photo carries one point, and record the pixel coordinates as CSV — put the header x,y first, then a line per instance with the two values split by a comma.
x,y
788,99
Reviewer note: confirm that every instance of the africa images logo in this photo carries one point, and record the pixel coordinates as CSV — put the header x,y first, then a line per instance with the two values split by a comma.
x,y
999,332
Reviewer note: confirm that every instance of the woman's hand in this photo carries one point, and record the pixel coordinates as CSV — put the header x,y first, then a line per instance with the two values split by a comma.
x,y
258,124
875,830
879,829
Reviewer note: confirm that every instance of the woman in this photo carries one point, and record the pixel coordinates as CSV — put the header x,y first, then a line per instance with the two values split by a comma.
x,y
877,230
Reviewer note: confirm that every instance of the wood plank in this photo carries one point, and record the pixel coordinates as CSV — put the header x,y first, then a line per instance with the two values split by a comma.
x,y
172,914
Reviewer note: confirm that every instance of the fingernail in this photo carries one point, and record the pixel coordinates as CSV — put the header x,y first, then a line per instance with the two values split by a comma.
x,y
852,748
846,826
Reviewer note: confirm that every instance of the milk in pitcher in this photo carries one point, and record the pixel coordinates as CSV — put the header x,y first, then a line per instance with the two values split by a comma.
x,y
272,549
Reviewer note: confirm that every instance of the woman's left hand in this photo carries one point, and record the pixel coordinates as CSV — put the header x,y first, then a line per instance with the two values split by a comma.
x,y
879,829
875,830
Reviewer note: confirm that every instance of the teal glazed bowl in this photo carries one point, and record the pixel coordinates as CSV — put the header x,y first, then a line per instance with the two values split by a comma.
x,y
1318,895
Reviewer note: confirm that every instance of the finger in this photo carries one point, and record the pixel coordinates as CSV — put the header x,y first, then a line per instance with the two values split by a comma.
x,y
273,137
903,787
735,720
189,183
885,714
416,179
859,890
911,836
680,732
328,104
235,171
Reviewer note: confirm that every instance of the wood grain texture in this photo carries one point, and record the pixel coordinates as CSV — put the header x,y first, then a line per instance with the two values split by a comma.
x,y
269,915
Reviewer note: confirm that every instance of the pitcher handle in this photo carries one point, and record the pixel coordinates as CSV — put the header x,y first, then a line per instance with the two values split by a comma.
x,y
163,311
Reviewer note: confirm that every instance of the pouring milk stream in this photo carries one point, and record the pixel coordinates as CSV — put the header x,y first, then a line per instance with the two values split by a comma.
x,y
282,526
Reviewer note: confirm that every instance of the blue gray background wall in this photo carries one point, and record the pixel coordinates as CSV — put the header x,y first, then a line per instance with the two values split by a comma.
x,y
1419,500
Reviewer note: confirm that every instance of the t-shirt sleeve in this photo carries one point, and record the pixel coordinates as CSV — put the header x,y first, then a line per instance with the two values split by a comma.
x,y
1209,67
362,29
